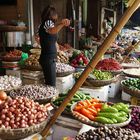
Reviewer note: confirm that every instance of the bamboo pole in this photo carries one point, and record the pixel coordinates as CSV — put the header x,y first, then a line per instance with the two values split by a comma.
x,y
130,51
92,64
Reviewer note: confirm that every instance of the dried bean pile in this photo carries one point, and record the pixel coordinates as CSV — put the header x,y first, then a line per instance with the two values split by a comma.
x,y
34,92
9,82
61,67
21,113
105,133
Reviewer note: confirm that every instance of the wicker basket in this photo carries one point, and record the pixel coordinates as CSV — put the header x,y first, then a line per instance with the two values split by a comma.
x,y
96,124
64,73
16,134
100,83
11,59
132,92
33,68
134,75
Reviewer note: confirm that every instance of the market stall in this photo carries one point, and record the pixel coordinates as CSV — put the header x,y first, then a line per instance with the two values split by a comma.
x,y
79,107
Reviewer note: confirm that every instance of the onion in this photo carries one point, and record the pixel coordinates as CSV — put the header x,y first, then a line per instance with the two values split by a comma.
x,y
3,95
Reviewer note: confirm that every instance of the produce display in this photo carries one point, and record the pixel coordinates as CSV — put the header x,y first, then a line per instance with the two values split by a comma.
x,y
132,72
62,68
15,53
132,60
62,57
21,112
135,121
132,83
105,133
78,59
34,92
9,82
65,47
109,64
103,113
99,75
77,97
32,60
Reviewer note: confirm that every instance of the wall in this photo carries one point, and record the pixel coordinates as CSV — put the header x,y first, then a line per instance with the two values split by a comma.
x,y
14,12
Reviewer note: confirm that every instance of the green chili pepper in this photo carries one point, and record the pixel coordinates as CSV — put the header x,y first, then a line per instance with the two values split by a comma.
x,y
104,120
109,109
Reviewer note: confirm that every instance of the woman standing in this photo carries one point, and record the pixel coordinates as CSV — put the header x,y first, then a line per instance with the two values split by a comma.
x,y
48,37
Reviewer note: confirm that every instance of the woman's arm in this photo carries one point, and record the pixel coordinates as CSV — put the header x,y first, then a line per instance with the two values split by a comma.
x,y
58,27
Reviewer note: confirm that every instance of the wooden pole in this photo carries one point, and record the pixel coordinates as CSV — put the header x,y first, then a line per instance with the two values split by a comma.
x,y
129,52
106,44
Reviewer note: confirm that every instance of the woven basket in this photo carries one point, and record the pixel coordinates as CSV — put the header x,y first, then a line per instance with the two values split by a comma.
x,y
33,68
16,134
132,92
100,83
64,73
11,59
96,124
134,75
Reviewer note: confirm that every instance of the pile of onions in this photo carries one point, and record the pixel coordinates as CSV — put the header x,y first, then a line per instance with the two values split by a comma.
x,y
135,121
3,96
21,112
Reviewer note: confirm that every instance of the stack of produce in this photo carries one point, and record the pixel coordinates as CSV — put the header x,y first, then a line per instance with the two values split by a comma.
x,y
135,121
9,82
105,133
65,47
132,60
77,97
21,113
62,57
132,83
103,113
97,75
62,68
34,92
78,59
109,64
32,61
15,53
89,53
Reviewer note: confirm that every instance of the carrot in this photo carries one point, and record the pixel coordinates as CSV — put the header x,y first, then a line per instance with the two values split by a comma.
x,y
94,112
88,102
83,103
80,115
94,100
98,105
87,113
78,108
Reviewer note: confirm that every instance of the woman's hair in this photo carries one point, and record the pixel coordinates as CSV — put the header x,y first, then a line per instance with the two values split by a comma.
x,y
48,13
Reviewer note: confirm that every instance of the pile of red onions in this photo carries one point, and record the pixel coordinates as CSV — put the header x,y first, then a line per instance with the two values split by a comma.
x,y
108,64
135,121
21,112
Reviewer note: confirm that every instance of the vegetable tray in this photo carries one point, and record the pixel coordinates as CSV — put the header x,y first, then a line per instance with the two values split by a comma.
x,y
64,73
99,83
132,92
17,134
97,124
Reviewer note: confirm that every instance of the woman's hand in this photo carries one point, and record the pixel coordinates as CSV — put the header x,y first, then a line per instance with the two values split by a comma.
x,y
66,22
